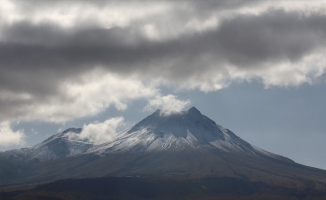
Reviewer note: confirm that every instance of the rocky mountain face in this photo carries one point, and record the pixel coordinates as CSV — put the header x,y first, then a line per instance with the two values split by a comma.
x,y
186,144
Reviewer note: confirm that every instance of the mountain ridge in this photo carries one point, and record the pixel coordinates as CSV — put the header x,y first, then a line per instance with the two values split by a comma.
x,y
186,144
158,132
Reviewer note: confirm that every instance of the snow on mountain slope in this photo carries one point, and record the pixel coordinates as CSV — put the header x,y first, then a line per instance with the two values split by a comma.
x,y
57,146
180,132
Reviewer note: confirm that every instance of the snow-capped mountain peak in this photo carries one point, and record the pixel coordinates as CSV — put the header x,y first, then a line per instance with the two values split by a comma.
x,y
182,131
178,124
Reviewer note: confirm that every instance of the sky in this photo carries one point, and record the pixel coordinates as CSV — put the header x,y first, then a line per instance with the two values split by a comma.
x,y
254,67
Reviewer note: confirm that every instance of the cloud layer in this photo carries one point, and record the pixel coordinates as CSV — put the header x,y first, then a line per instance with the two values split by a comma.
x,y
64,60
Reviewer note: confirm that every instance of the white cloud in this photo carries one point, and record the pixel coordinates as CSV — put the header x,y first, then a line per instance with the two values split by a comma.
x,y
308,69
87,95
73,13
100,132
168,104
286,74
8,137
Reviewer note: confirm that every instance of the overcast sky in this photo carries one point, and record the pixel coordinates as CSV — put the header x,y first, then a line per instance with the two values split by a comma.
x,y
255,67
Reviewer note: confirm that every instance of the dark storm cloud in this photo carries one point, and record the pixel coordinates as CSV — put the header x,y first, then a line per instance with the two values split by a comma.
x,y
275,35
244,40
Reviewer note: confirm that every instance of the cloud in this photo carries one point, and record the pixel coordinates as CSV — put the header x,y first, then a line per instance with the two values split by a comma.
x,y
99,132
309,69
168,104
64,60
86,95
245,41
8,137
107,13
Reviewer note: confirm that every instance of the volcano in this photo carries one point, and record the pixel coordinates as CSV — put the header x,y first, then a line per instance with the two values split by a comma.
x,y
187,131
186,145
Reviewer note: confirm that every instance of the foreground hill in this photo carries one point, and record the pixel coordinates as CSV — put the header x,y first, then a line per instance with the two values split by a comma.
x,y
162,188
